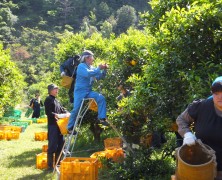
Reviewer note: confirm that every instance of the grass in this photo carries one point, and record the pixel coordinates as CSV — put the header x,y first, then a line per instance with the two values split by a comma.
x,y
18,157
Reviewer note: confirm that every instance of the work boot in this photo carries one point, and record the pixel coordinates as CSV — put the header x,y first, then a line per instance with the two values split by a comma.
x,y
103,122
70,131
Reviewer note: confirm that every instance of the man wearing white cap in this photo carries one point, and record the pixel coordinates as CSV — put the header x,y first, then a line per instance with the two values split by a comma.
x,y
86,75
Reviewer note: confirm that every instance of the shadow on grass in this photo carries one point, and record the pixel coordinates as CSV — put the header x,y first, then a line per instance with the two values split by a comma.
x,y
43,175
27,158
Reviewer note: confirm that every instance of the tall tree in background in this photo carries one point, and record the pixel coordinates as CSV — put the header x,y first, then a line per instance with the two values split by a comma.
x,y
34,53
65,8
126,17
103,12
7,21
106,29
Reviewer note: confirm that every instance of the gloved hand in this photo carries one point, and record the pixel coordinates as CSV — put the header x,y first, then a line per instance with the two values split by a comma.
x,y
63,73
189,139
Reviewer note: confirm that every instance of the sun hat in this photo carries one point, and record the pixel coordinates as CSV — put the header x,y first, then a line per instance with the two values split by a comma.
x,y
51,87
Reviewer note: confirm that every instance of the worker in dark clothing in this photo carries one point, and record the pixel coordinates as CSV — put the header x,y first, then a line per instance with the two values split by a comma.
x,y
68,68
35,104
207,117
54,110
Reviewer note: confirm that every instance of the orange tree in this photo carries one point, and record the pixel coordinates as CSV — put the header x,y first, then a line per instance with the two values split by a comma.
x,y
184,56
125,56
11,82
177,56
70,45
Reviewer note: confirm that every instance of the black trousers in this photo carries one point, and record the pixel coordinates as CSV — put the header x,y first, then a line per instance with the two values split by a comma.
x,y
55,144
36,113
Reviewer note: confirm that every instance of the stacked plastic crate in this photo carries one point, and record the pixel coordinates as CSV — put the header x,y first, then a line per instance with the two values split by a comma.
x,y
9,132
79,168
41,158
113,151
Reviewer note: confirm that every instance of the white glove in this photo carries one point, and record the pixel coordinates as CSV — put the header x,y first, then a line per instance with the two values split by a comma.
x,y
189,139
63,115
63,73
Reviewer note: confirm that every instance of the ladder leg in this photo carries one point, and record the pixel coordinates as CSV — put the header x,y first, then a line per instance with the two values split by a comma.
x,y
117,132
68,140
81,114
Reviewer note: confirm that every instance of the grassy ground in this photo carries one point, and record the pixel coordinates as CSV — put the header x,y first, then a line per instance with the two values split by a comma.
x,y
18,157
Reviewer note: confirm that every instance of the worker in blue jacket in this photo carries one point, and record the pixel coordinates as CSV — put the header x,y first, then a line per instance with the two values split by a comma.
x,y
85,77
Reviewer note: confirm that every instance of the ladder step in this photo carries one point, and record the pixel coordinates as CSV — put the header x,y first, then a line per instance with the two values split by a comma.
x,y
65,152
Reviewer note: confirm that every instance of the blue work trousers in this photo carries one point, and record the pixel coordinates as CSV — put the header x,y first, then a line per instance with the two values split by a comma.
x,y
79,96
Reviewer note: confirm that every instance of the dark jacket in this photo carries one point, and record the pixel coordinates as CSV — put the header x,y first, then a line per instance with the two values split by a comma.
x,y
69,66
35,104
52,105
208,126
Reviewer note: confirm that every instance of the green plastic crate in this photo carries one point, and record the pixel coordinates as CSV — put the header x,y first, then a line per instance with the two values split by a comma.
x,y
42,112
17,113
26,120
34,120
28,112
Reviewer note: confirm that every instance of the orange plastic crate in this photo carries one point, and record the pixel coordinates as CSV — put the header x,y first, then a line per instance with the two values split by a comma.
x,y
44,148
41,136
41,120
2,135
8,135
41,161
117,155
79,168
15,135
5,128
93,105
62,123
16,128
112,143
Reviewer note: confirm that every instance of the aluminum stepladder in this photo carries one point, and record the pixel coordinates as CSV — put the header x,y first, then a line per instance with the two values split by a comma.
x,y
68,140
68,146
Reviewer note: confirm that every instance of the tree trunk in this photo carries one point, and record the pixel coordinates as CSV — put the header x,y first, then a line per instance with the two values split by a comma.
x,y
96,130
